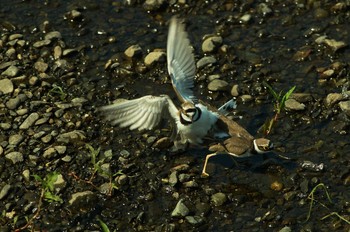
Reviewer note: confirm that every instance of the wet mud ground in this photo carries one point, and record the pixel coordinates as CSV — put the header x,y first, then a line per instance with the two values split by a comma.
x,y
63,169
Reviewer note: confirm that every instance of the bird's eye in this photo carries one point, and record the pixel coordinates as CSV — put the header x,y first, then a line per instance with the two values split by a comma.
x,y
190,110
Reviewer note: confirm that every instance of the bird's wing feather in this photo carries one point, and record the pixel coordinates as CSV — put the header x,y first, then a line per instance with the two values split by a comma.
x,y
181,65
141,113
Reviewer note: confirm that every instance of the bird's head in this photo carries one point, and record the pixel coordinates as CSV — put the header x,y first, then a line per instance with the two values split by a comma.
x,y
262,145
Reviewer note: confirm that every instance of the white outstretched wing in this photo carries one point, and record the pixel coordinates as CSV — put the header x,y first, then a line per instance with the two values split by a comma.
x,y
141,113
181,66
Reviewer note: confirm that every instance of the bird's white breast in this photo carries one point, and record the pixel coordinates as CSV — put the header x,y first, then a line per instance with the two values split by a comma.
x,y
196,131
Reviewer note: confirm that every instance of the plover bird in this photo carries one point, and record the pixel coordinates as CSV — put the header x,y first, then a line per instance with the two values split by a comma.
x,y
194,122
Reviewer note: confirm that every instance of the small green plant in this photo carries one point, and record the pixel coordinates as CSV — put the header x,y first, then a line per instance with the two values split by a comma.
x,y
57,90
312,199
98,168
47,185
47,193
279,105
103,225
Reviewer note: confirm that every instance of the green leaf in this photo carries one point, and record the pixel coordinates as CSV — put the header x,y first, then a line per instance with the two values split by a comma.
x,y
103,225
274,94
50,197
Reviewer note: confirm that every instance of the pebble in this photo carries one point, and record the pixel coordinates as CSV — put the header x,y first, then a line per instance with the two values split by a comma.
x,y
345,107
154,57
217,85
180,209
207,60
29,121
285,229
49,153
6,86
4,191
60,149
41,43
15,157
301,97
162,143
211,44
60,183
53,35
11,53
133,51
218,199
14,140
41,66
1,150
264,9
80,196
235,91
5,125
246,98
57,52
13,103
153,4
333,98
194,220
173,178
26,175
11,71
335,45
245,18
292,104
71,136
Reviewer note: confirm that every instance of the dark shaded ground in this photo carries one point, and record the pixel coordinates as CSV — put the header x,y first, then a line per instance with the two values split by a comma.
x,y
280,44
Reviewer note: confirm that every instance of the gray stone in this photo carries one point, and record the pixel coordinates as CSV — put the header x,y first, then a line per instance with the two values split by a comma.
x,y
67,158
207,60
292,104
71,136
11,53
194,220
53,35
264,9
217,85
41,43
173,178
13,103
11,71
301,97
41,66
80,196
190,184
1,150
333,98
29,121
61,149
22,112
5,126
218,199
335,45
180,209
246,98
285,229
49,153
15,36
133,51
245,18
6,86
57,52
14,140
60,183
26,175
105,188
235,91
154,57
15,157
153,4
211,44
345,107
4,191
